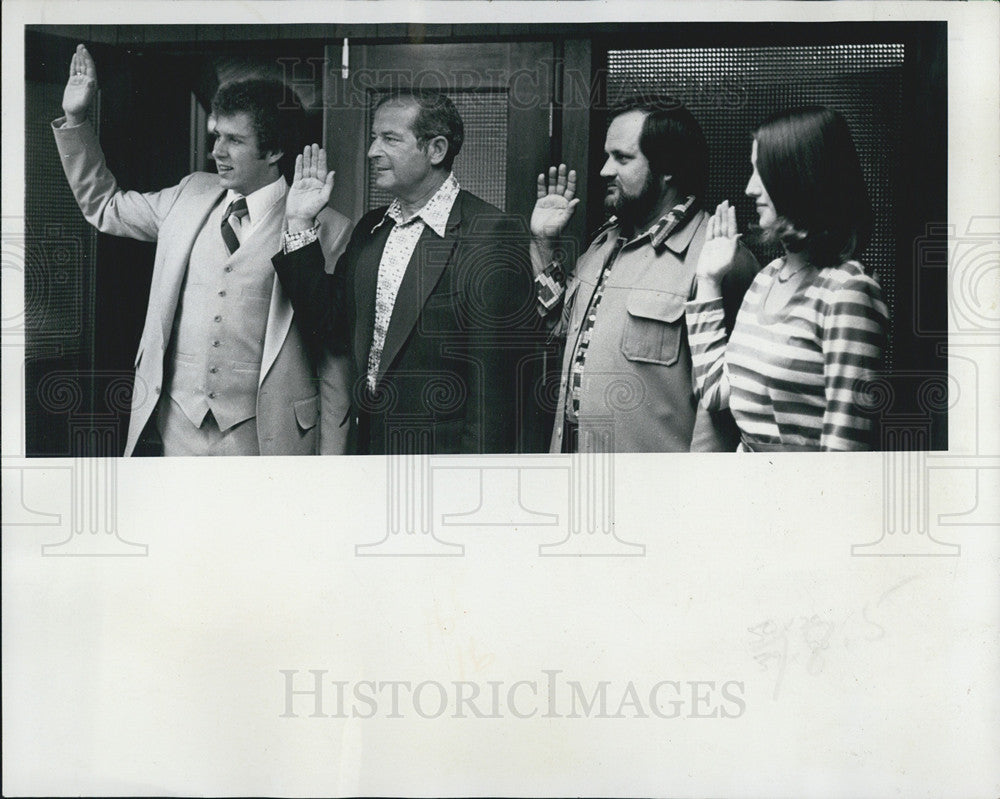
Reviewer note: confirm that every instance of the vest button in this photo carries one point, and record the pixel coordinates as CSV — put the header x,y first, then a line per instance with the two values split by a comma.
x,y
211,395
222,293
215,343
218,318
228,269
214,369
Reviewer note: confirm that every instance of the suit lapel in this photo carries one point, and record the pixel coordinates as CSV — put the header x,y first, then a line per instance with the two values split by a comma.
x,y
279,314
176,257
429,260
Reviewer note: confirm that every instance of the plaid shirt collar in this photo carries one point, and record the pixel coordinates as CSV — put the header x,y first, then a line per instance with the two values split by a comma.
x,y
435,212
670,230
666,232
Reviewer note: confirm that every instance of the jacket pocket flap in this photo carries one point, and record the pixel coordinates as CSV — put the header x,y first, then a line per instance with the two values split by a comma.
x,y
659,305
307,412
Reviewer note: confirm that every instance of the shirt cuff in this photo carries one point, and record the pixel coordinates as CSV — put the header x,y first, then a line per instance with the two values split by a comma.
x,y
550,285
700,306
299,239
60,123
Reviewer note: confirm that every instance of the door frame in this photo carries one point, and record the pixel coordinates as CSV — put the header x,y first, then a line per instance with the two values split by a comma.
x,y
524,69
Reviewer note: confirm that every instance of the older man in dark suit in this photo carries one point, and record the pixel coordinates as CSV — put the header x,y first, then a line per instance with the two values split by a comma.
x,y
430,300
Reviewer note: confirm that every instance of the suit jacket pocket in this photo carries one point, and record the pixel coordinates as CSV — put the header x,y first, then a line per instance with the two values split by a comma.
x,y
653,327
307,412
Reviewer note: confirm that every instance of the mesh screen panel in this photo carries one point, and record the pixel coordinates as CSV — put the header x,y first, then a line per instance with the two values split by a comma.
x,y
58,261
58,254
481,165
732,90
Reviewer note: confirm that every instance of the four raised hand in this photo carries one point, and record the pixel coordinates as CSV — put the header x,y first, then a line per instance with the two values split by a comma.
x,y
313,183
719,250
81,86
310,190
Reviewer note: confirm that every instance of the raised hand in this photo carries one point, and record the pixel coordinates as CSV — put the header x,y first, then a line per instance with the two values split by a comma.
x,y
310,190
81,86
717,254
555,202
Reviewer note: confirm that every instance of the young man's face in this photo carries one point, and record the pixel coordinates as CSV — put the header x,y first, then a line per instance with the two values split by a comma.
x,y
399,163
241,165
633,190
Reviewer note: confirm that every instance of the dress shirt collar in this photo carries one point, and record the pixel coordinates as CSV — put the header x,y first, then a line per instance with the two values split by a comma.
x,y
435,212
262,200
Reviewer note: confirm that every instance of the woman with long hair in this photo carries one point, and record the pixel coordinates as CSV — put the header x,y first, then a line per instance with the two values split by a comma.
x,y
812,325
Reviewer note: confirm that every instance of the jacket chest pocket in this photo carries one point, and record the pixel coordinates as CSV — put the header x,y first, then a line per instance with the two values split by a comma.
x,y
654,327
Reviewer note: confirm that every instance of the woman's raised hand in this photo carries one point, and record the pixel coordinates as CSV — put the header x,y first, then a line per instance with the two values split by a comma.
x,y
721,238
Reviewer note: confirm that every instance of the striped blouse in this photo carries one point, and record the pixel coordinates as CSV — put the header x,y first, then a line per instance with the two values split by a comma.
x,y
788,377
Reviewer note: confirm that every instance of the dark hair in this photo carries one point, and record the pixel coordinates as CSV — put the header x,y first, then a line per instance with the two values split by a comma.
x,y
275,111
810,169
671,140
436,116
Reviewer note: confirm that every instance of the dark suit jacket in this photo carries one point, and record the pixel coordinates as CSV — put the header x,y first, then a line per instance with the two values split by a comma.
x,y
462,318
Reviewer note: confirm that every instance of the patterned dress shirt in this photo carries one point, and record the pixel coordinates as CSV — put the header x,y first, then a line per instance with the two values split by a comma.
x,y
399,247
396,256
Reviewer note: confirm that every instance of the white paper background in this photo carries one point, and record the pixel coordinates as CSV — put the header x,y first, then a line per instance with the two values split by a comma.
x,y
162,674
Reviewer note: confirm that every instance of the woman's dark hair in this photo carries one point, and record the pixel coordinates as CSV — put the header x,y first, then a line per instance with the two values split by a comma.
x,y
810,169
277,115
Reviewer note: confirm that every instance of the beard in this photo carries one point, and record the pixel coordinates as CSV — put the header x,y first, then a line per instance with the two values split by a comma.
x,y
632,209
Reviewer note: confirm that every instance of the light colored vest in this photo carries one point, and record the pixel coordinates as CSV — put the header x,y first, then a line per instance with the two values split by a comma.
x,y
213,362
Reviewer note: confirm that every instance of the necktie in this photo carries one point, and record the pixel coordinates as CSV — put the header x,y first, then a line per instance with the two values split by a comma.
x,y
237,208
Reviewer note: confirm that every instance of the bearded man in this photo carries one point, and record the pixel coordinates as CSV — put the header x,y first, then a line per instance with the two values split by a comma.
x,y
626,380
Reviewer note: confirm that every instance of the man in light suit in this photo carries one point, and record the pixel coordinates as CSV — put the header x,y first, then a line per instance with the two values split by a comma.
x,y
222,368
432,297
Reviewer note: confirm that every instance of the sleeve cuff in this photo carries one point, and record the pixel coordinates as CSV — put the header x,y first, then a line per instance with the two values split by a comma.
x,y
550,285
302,238
699,306
60,123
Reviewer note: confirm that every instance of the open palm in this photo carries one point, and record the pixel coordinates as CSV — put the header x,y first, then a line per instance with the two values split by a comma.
x,y
716,258
311,185
81,86
555,202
